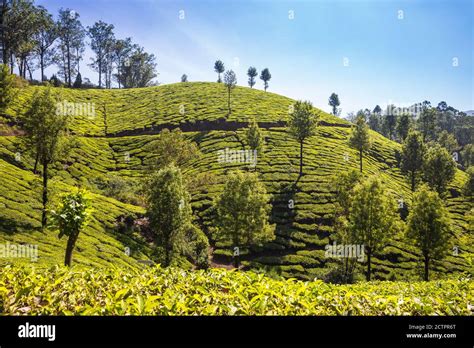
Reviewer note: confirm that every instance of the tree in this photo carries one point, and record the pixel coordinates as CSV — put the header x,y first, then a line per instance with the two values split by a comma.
x,y
403,126
377,110
121,52
71,43
219,69
70,218
168,210
265,76
389,124
469,185
467,155
412,156
373,217
360,138
252,74
171,148
138,70
184,78
374,122
426,123
438,168
254,137
45,128
230,80
302,124
102,43
78,81
334,103
448,141
45,37
7,92
242,212
428,225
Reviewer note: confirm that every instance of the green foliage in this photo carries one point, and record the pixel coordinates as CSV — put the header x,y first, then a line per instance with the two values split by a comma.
x,y
428,225
242,211
168,209
448,141
70,218
171,291
467,155
230,81
403,126
184,78
360,138
344,184
469,185
254,137
265,76
334,103
7,92
252,74
438,168
302,124
427,123
373,217
219,69
171,148
412,156
197,247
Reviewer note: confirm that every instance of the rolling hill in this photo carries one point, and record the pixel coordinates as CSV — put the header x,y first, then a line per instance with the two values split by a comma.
x,y
112,141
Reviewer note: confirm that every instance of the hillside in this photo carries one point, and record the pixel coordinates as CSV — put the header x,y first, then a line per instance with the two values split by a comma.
x,y
114,139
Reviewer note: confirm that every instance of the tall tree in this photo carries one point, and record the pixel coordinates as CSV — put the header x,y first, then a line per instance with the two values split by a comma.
x,y
184,78
254,137
243,210
7,92
427,123
403,126
428,225
374,122
373,217
412,156
448,141
219,69
360,138
334,103
389,124
252,74
438,168
70,218
265,76
168,209
45,37
121,52
302,124
71,43
377,110
138,70
230,81
45,128
102,43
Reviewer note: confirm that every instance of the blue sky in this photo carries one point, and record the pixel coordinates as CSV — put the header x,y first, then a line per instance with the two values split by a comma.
x,y
397,52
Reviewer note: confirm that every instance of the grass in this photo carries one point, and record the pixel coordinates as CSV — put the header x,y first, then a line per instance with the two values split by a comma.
x,y
114,142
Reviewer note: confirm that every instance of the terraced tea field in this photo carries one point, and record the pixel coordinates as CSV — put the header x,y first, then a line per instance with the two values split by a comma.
x,y
113,142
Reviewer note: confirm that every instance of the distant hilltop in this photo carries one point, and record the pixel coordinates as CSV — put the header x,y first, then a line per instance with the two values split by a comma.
x,y
469,112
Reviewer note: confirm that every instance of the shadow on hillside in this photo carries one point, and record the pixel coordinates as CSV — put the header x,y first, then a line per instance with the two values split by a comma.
x,y
10,226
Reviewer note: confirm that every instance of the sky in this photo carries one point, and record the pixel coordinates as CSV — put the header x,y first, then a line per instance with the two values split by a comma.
x,y
368,52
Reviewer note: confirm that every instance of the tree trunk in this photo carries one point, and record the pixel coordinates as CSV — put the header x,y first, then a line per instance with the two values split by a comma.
x,y
68,66
301,158
35,169
71,242
42,66
369,254
45,194
427,268
360,159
